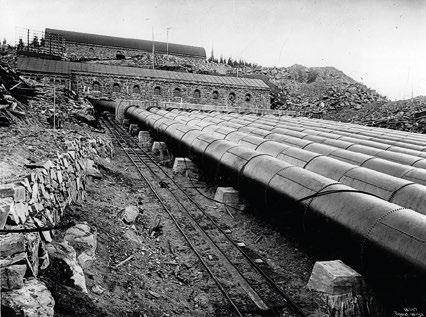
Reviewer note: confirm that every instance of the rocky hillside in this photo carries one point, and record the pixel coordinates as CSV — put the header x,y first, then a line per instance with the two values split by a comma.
x,y
315,89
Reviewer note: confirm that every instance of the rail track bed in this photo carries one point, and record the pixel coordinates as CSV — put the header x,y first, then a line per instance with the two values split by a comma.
x,y
247,283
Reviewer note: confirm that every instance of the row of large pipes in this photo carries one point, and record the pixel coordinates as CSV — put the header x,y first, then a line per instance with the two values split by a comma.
x,y
407,146
351,152
366,133
389,167
406,193
405,154
282,176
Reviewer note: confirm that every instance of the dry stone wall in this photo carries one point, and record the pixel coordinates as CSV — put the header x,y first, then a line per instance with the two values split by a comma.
x,y
36,201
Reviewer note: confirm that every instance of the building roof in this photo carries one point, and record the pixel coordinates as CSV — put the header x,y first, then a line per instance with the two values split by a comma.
x,y
121,42
37,65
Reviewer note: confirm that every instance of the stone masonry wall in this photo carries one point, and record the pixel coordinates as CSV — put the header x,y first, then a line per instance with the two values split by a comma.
x,y
75,51
39,200
85,84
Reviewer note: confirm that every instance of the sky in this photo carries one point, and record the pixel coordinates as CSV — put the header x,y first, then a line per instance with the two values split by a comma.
x,y
381,43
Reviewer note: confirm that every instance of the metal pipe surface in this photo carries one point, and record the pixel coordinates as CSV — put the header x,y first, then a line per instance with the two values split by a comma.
x,y
379,226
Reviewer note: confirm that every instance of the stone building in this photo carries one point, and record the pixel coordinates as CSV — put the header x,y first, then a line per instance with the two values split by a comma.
x,y
120,82
77,45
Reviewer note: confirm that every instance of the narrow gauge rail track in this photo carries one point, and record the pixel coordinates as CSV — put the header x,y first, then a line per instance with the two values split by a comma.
x,y
197,228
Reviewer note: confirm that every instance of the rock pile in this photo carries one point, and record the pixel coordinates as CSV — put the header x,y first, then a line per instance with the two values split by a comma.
x,y
405,115
13,91
311,91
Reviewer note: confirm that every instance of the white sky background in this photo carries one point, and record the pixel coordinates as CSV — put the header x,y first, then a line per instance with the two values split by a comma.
x,y
380,43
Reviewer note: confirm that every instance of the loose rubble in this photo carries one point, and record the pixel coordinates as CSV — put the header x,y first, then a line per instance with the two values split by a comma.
x,y
31,300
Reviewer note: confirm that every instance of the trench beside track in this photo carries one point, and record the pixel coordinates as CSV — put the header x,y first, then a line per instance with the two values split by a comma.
x,y
245,271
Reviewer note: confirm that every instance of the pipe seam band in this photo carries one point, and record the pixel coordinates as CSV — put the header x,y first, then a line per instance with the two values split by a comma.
x,y
395,191
364,241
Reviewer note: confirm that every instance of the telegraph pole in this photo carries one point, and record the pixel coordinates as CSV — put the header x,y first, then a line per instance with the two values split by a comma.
x,y
54,103
153,48
167,42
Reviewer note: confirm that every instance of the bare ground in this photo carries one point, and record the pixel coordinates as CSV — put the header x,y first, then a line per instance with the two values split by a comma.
x,y
163,277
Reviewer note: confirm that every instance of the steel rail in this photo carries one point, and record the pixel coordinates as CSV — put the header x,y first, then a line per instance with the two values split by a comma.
x,y
164,206
294,306
290,303
245,284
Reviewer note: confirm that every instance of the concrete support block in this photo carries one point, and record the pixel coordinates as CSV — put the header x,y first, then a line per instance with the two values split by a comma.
x,y
133,129
144,138
160,149
227,195
334,278
183,164
343,290
126,122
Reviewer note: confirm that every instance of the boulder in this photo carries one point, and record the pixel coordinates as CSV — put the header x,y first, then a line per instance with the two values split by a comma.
x,y
21,212
130,214
31,300
84,241
91,170
12,277
7,211
16,192
32,244
63,259
13,250
97,289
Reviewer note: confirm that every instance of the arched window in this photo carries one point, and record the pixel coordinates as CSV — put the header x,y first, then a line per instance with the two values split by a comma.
x,y
136,89
197,94
116,87
248,97
119,55
215,94
232,97
96,86
91,51
177,92
157,91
